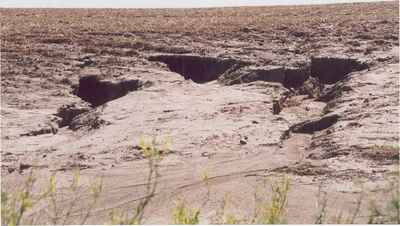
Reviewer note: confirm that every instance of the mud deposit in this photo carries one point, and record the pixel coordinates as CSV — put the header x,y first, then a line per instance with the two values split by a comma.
x,y
242,95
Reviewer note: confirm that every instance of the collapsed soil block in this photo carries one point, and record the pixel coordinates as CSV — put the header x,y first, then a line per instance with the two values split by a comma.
x,y
288,77
254,73
88,121
68,112
330,92
311,126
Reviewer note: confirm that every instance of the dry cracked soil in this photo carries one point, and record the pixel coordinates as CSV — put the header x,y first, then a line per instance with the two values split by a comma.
x,y
242,95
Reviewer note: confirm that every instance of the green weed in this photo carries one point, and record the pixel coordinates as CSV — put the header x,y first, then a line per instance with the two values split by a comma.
x,y
184,215
153,155
15,205
273,212
390,212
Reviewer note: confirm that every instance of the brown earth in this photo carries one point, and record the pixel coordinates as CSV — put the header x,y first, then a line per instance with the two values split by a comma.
x,y
204,81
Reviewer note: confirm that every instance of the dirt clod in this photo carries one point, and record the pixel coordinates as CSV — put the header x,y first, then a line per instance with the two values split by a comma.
x,y
24,166
49,128
304,169
89,120
311,126
276,107
68,112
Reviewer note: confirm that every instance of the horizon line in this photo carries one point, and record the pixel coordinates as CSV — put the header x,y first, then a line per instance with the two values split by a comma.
x,y
203,7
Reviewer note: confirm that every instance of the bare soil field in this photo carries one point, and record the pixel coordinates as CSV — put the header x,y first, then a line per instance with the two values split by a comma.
x,y
234,99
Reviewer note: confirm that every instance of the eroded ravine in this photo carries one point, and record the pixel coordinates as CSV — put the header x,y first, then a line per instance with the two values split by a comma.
x,y
218,129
